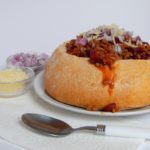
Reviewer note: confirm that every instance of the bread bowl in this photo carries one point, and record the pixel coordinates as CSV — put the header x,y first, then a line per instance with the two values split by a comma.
x,y
92,83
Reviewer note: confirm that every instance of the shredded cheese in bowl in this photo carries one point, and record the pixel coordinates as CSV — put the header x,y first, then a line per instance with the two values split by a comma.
x,y
15,81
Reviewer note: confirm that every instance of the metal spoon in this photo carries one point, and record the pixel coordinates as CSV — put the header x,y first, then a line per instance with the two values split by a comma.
x,y
51,126
55,127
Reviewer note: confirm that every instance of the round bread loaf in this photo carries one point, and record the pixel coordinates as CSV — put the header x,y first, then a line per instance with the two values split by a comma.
x,y
74,80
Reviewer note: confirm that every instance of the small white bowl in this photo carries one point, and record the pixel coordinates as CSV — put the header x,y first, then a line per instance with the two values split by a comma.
x,y
16,88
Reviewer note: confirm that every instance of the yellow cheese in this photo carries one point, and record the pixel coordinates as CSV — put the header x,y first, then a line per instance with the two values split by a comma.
x,y
9,80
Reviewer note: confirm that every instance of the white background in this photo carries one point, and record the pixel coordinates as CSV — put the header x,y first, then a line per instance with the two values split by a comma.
x,y
41,25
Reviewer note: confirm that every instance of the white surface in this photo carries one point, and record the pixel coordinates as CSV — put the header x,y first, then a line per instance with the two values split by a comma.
x,y
36,25
16,132
39,89
144,146
4,145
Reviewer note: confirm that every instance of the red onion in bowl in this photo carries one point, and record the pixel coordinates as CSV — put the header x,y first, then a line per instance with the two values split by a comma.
x,y
34,61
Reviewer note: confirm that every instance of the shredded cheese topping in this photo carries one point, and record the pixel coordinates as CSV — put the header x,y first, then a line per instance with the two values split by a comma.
x,y
110,33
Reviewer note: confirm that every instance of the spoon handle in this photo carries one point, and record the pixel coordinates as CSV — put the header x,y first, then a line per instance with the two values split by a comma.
x,y
122,131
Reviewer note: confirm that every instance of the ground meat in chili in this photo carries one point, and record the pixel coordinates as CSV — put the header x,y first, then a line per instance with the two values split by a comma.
x,y
102,52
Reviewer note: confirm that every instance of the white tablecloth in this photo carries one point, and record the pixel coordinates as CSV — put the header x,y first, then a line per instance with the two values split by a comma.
x,y
14,131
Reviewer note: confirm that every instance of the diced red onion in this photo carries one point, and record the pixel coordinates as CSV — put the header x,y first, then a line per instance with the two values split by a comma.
x,y
82,41
138,38
101,35
28,59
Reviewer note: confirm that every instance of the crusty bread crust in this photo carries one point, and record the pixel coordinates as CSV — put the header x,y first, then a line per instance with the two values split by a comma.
x,y
74,80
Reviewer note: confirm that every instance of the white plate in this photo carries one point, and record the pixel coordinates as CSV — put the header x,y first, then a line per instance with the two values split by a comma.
x,y
39,89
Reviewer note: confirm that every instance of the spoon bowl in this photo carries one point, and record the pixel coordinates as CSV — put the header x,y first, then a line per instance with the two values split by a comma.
x,y
47,125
